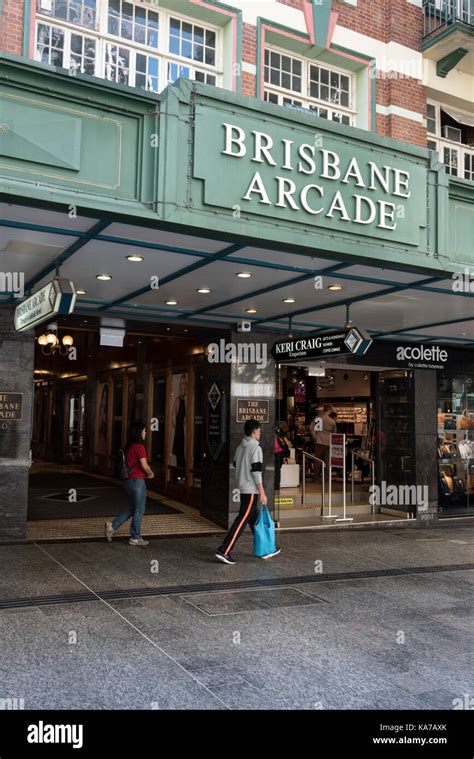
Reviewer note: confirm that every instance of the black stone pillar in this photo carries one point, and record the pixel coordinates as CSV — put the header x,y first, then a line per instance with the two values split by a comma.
x,y
16,376
141,381
91,406
244,380
426,457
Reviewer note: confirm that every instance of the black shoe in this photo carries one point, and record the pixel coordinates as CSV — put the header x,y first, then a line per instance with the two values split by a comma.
x,y
225,558
269,555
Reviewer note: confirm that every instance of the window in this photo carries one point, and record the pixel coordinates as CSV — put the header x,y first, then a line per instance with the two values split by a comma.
x,y
450,159
283,71
79,12
147,72
431,122
133,22
128,43
193,42
469,166
329,86
454,139
325,92
50,46
117,64
82,58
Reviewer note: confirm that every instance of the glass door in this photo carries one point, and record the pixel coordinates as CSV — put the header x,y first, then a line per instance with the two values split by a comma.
x,y
394,437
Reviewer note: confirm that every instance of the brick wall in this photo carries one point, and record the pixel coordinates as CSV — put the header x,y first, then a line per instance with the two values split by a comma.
x,y
11,26
404,92
249,55
369,17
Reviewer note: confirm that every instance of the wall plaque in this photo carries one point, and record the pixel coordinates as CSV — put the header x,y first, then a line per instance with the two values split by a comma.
x,y
11,406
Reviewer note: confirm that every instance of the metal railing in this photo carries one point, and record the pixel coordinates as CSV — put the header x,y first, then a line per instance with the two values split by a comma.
x,y
359,455
441,14
306,455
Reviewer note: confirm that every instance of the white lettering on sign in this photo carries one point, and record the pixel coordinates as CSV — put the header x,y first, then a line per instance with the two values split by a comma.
x,y
315,162
433,353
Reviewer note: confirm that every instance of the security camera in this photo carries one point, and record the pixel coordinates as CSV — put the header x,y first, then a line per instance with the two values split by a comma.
x,y
244,327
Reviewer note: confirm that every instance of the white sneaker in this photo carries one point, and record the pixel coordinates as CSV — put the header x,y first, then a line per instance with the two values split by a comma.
x,y
269,555
109,531
138,542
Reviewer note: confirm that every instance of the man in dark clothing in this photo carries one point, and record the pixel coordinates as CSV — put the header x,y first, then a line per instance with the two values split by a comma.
x,y
248,461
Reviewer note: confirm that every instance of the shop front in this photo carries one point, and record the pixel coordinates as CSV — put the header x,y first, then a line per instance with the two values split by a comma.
x,y
212,227
384,403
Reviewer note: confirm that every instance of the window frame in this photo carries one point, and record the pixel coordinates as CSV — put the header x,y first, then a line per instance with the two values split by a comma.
x,y
162,53
460,148
303,96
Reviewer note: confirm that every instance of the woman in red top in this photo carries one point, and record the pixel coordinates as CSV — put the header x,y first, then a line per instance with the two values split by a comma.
x,y
135,487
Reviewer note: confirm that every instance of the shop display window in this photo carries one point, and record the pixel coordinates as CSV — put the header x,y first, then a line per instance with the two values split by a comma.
x,y
455,445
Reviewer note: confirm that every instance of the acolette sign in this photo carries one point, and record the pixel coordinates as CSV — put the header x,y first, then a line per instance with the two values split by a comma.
x,y
308,176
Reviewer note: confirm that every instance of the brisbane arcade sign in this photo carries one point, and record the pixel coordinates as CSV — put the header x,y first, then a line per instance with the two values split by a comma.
x,y
310,175
319,164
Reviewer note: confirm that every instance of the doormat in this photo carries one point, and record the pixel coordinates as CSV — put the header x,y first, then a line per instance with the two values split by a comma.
x,y
65,497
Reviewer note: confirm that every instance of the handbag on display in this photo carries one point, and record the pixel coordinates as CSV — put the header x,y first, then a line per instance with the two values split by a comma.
x,y
443,487
459,486
264,534
467,421
448,481
465,449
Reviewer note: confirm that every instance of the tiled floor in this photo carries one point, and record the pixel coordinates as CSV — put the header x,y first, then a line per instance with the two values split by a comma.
x,y
391,641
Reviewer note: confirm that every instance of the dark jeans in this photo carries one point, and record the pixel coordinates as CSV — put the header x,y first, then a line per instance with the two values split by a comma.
x,y
136,491
322,452
248,514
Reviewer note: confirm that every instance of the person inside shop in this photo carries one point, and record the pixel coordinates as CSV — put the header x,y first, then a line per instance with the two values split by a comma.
x,y
135,487
282,452
248,463
322,429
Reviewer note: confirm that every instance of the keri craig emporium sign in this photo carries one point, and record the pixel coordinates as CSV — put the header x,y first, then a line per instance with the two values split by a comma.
x,y
291,172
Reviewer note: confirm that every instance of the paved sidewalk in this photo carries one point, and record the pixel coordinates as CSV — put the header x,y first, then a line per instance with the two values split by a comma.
x,y
341,620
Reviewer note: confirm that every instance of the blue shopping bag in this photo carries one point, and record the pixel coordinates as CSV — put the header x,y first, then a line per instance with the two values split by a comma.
x,y
264,534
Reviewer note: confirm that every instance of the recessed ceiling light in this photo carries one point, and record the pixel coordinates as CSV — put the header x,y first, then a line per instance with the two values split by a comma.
x,y
103,277
244,274
81,292
168,329
204,290
289,300
250,310
335,288
136,259
171,302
